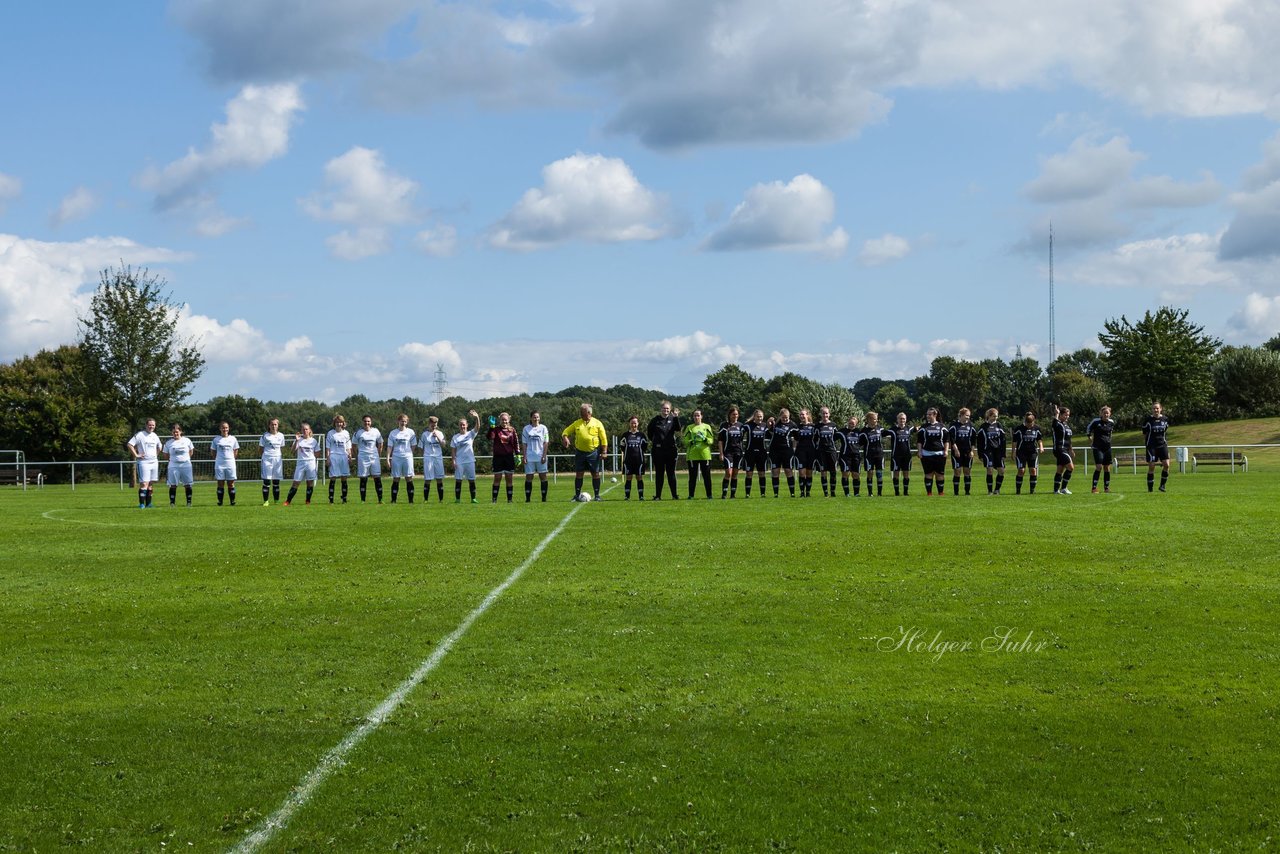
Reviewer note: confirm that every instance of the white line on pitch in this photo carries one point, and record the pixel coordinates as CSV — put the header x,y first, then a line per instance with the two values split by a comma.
x,y
336,757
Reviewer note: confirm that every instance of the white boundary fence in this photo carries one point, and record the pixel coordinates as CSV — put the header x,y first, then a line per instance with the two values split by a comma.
x,y
1127,457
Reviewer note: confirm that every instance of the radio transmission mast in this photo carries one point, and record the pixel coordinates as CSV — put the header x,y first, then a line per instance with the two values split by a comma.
x,y
1053,335
441,382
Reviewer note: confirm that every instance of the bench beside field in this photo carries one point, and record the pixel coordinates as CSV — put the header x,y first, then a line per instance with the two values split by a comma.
x,y
14,477
1219,458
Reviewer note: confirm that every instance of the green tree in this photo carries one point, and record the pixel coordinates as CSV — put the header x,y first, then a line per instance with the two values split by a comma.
x,y
1084,361
48,411
138,363
1027,389
1273,343
803,393
1083,395
891,399
1163,356
1246,382
730,386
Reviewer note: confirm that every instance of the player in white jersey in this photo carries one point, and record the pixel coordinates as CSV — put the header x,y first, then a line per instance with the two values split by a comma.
x,y
145,448
305,446
177,451
400,442
534,441
225,449
272,444
464,457
368,442
337,446
432,443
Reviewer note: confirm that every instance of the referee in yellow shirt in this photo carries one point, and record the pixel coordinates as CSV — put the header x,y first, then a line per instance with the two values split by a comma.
x,y
590,444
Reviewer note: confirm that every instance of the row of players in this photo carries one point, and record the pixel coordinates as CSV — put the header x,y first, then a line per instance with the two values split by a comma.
x,y
778,445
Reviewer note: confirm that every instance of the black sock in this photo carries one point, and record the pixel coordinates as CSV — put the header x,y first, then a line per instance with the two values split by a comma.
x,y
293,490
231,493
544,490
626,489
1164,476
275,489
344,492
1031,481
221,492
310,489
151,490
1066,478
471,486
906,485
395,490
364,488
332,483
990,483
188,490
955,484
968,482
377,487
510,493
791,484
457,490
776,483
1017,485
1057,483
439,489
173,495
577,486
495,492
528,490
266,490
408,487
999,479
1096,475
733,488
1106,480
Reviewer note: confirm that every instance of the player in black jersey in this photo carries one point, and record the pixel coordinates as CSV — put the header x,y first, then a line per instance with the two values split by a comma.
x,y
806,450
1155,429
991,450
899,437
634,445
781,455
963,435
731,440
934,443
1099,432
664,432
849,457
757,456
1027,448
1062,453
826,443
871,438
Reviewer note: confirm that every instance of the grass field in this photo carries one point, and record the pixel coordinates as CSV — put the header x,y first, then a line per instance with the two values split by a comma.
x,y
665,676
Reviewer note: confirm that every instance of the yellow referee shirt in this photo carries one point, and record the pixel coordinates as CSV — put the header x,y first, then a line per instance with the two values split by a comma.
x,y
587,435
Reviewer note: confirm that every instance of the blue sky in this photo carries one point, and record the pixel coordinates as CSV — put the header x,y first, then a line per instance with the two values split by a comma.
x,y
344,195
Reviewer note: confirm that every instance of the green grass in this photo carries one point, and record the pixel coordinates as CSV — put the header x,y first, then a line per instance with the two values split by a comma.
x,y
675,676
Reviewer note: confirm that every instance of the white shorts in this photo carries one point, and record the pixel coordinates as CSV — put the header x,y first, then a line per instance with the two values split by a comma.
x,y
180,474
273,468
433,468
464,471
402,466
369,467
339,466
224,471
148,471
534,466
304,470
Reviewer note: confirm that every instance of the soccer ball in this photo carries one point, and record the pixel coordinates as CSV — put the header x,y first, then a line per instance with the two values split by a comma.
x,y
584,496
613,480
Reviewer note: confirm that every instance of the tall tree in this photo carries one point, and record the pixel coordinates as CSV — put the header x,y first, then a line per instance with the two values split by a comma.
x,y
889,400
138,362
1273,343
730,386
803,393
1163,356
1085,361
48,412
1247,382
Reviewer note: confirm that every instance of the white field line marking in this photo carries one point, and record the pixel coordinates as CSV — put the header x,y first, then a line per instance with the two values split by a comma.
x,y
49,514
336,758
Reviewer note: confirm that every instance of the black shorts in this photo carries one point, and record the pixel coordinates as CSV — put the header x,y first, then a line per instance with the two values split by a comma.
x,y
901,462
1158,455
587,461
504,463
992,460
781,458
1064,458
756,460
850,464
962,461
1102,457
934,464
634,467
804,458
827,461
874,461
1028,459
732,459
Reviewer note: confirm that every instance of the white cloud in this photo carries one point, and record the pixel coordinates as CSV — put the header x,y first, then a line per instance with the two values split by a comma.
x,y
1174,263
361,191
1259,317
902,345
45,286
882,250
10,189
438,242
255,132
78,204
1254,231
700,347
791,216
583,197
419,361
1083,171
